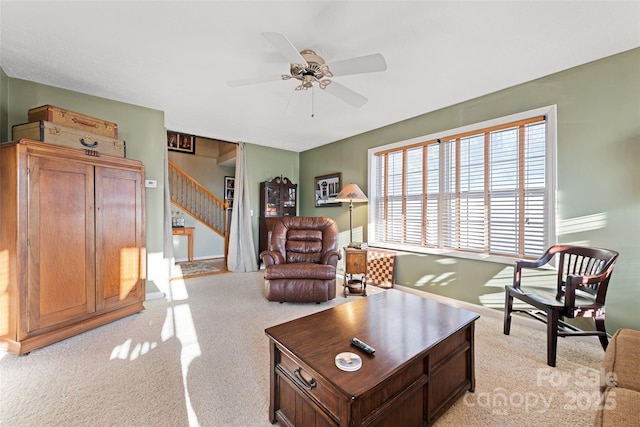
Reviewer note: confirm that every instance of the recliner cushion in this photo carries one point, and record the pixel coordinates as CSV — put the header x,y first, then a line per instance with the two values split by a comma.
x,y
300,290
304,239
304,251
304,235
300,270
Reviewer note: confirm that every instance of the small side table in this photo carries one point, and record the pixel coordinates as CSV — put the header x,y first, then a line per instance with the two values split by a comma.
x,y
185,231
355,262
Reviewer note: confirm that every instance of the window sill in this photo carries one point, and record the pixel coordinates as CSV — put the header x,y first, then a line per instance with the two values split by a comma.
x,y
445,253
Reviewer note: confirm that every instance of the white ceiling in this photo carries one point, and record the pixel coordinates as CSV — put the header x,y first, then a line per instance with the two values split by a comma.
x,y
178,56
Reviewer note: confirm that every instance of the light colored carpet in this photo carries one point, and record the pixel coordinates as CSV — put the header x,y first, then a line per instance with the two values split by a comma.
x,y
200,357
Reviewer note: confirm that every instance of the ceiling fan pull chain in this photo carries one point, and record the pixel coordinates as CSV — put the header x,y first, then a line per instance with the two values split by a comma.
x,y
313,98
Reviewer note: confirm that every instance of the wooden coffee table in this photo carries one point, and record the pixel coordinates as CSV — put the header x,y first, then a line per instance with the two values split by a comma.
x,y
424,361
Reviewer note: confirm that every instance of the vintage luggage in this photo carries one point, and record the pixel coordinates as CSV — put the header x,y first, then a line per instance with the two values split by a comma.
x,y
72,119
70,137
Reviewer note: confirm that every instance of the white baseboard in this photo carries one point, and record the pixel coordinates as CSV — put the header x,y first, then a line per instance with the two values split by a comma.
x,y
200,258
154,295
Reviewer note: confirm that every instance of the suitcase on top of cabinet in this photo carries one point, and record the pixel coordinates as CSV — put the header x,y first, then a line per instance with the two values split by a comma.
x,y
58,115
69,137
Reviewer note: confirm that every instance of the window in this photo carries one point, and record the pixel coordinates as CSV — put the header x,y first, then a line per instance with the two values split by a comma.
x,y
483,190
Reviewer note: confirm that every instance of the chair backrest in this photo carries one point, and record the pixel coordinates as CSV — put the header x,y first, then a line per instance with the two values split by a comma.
x,y
304,239
586,261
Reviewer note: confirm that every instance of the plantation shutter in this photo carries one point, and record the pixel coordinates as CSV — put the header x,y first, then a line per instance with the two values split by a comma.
x,y
482,191
414,215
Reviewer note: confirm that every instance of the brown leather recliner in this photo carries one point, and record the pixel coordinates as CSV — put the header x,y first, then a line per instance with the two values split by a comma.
x,y
301,264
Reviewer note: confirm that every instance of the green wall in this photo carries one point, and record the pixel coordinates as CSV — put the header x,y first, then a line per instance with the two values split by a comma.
x,y
264,164
141,128
4,104
598,175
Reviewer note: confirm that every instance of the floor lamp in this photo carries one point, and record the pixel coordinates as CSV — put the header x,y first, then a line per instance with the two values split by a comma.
x,y
353,194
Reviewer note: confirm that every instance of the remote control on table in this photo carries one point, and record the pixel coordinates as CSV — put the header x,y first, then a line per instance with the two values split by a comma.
x,y
363,346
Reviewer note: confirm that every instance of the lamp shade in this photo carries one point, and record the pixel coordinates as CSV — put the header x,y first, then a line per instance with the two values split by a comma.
x,y
351,193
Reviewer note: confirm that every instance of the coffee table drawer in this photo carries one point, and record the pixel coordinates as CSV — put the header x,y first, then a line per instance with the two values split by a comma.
x,y
310,384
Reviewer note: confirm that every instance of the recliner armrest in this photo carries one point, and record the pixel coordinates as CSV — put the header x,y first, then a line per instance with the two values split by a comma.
x,y
271,258
331,258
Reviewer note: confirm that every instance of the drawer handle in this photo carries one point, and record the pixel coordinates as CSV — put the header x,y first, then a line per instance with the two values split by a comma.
x,y
86,144
301,381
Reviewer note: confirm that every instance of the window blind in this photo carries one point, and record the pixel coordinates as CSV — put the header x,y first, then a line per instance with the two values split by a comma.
x,y
481,191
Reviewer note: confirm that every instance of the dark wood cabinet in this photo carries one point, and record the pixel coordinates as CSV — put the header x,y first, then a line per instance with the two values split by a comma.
x,y
278,198
72,242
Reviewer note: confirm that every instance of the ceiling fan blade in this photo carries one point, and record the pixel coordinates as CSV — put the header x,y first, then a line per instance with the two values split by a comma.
x,y
346,94
254,80
285,47
361,64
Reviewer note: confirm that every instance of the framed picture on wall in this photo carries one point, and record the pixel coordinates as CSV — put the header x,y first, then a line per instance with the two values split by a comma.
x,y
229,189
181,142
327,188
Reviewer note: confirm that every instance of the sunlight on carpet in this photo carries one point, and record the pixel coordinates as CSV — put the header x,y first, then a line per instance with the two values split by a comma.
x,y
187,357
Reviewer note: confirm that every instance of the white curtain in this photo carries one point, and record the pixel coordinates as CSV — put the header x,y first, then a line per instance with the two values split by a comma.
x,y
242,254
167,234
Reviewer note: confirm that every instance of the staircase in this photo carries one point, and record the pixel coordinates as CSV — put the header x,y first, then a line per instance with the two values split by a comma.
x,y
200,203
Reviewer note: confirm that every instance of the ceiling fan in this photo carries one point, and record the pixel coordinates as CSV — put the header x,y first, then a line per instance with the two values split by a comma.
x,y
310,68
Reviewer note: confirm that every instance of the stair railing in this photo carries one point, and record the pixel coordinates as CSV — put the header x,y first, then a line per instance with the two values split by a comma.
x,y
200,203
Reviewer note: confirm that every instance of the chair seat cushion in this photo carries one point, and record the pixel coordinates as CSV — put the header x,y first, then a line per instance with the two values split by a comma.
x,y
300,270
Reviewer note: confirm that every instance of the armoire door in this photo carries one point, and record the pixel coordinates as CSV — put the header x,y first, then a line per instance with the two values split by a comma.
x,y
61,243
120,254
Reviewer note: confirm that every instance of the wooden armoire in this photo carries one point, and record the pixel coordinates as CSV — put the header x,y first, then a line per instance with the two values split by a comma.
x,y
72,242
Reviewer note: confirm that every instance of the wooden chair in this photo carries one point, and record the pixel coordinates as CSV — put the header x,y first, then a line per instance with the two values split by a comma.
x,y
583,276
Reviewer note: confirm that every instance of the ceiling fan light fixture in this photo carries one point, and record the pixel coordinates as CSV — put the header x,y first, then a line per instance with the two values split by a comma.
x,y
324,83
307,82
313,71
326,71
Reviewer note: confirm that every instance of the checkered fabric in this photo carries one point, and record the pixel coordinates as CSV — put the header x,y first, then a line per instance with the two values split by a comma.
x,y
381,267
